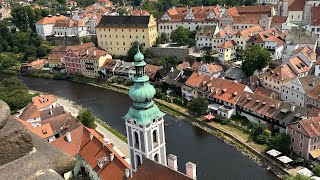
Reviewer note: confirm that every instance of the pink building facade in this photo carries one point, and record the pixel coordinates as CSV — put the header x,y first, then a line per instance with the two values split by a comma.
x,y
305,137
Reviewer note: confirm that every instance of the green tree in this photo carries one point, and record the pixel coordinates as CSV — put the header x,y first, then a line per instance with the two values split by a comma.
x,y
133,50
198,106
281,142
14,93
87,118
163,38
6,62
180,35
297,177
255,58
23,17
316,170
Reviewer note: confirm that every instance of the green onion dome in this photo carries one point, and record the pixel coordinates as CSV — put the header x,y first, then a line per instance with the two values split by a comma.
x,y
139,56
142,92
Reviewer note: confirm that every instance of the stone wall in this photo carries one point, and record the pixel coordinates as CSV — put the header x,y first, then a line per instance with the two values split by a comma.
x,y
180,53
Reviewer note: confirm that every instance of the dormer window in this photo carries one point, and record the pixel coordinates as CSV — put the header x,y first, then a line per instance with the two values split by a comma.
x,y
102,161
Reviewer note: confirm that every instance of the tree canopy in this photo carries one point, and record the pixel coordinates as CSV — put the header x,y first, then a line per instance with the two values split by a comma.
x,y
87,118
198,106
281,142
14,93
133,50
297,177
183,36
255,58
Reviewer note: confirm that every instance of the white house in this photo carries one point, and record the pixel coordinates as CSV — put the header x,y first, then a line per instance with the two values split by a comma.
x,y
204,36
70,28
274,2
212,70
317,68
275,45
221,37
189,18
44,27
314,25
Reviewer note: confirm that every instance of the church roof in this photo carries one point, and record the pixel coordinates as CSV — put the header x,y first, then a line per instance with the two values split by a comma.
x,y
144,116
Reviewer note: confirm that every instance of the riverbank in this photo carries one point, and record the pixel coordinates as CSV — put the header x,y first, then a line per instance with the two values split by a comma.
x,y
237,139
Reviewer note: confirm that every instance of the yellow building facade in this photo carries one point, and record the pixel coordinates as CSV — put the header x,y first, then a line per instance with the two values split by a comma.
x,y
116,34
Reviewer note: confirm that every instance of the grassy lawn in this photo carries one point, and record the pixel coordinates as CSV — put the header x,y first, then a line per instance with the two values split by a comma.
x,y
119,135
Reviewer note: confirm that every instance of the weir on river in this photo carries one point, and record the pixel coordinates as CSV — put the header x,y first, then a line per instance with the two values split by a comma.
x,y
214,159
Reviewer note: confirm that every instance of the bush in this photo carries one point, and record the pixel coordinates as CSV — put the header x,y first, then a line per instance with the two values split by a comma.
x,y
198,106
87,118
316,170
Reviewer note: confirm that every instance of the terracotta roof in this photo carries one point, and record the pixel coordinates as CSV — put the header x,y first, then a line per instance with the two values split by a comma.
x,y
62,123
307,52
80,49
72,148
29,112
206,31
246,19
151,70
249,32
223,89
258,103
141,12
69,23
43,101
50,20
282,72
311,126
278,20
155,171
250,10
37,62
55,56
263,91
200,13
297,5
276,39
298,65
314,112
43,131
225,31
315,93
196,65
184,65
315,16
93,53
228,44
195,79
213,68
92,150
109,64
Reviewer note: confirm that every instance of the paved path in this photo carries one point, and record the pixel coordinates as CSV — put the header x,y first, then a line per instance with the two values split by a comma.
x,y
122,146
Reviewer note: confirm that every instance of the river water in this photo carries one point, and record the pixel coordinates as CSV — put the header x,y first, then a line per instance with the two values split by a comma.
x,y
214,159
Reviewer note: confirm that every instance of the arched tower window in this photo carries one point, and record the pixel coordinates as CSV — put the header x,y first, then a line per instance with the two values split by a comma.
x,y
136,139
138,160
156,157
154,138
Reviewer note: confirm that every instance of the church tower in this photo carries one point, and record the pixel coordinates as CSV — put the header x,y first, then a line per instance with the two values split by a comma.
x,y
144,120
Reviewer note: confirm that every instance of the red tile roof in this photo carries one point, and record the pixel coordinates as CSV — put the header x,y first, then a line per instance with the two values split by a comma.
x,y
278,20
50,20
69,23
282,72
91,150
250,10
315,16
29,112
196,79
151,70
259,104
44,131
228,44
249,32
223,89
276,39
311,126
298,65
141,12
263,91
151,170
184,65
37,62
297,5
246,19
306,52
43,101
200,13
196,65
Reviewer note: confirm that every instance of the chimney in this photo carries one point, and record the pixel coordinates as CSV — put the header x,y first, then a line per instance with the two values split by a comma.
x,y
94,53
191,170
68,136
172,69
91,136
51,112
87,52
111,156
106,140
127,172
313,82
172,162
292,107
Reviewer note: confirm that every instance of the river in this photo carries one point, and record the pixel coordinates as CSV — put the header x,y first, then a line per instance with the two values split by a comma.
x,y
214,159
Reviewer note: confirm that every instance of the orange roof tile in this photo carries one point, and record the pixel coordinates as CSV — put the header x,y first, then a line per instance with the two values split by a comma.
x,y
315,16
298,65
307,52
43,131
297,5
250,10
195,79
141,12
184,65
228,44
246,19
37,62
259,104
43,101
50,20
196,65
69,23
213,68
276,39
282,72
263,91
151,70
311,126
278,20
249,32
